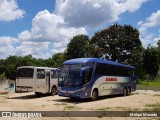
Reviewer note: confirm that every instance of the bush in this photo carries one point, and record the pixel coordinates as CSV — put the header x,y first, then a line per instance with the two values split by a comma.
x,y
2,76
149,77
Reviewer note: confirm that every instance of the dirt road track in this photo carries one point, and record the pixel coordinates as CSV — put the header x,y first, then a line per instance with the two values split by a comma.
x,y
139,100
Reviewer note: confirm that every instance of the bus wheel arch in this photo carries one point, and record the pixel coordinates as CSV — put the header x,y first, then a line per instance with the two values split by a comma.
x,y
54,90
94,95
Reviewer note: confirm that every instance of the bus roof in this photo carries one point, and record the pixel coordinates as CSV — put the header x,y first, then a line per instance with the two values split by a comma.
x,y
85,60
36,67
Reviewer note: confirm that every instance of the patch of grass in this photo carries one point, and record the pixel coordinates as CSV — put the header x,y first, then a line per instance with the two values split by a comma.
x,y
134,93
71,107
136,109
149,84
103,109
58,104
4,96
152,83
153,107
157,95
122,108
155,82
118,108
148,87
127,108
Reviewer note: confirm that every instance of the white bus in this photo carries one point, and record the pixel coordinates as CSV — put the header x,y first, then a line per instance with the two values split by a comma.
x,y
92,77
37,79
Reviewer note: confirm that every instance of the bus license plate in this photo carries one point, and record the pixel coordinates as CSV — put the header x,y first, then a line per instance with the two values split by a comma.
x,y
66,95
26,90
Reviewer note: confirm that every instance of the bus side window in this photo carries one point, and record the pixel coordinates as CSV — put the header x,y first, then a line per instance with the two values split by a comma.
x,y
54,74
40,73
99,69
131,72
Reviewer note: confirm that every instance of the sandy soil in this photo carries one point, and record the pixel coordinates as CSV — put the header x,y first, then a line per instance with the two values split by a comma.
x,y
30,102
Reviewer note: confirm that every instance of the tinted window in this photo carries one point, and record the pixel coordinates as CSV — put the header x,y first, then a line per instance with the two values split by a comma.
x,y
11,85
70,75
91,64
105,69
25,73
40,73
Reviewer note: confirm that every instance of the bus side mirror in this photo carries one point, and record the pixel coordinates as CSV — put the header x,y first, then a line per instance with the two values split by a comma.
x,y
83,70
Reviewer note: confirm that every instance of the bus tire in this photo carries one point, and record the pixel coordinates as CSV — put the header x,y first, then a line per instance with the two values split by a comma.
x,y
53,90
128,91
94,95
124,91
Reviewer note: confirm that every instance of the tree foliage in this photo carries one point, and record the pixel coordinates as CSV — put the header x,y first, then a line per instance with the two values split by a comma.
x,y
158,51
78,47
8,67
118,43
2,76
150,61
58,59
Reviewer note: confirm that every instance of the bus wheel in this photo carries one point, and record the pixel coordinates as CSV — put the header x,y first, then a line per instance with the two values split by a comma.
x,y
128,91
94,95
124,91
53,90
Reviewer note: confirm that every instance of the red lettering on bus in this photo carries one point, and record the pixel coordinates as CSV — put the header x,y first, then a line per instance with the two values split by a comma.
x,y
111,79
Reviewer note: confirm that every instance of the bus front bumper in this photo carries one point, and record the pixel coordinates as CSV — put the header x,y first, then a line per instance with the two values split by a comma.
x,y
24,89
80,93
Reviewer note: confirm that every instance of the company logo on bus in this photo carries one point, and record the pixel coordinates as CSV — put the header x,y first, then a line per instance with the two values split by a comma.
x,y
111,79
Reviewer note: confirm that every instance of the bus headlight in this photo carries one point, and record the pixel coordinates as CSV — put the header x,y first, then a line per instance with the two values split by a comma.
x,y
59,89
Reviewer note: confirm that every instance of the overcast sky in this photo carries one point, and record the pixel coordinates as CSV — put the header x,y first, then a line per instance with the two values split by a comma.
x,y
45,27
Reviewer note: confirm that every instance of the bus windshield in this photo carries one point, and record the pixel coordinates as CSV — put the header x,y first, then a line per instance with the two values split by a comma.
x,y
70,75
25,73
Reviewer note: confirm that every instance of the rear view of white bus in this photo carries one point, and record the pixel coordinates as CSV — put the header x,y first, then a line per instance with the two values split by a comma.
x,y
25,79
37,79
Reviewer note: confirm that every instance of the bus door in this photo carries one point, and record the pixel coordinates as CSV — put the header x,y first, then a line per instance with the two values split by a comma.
x,y
42,81
47,83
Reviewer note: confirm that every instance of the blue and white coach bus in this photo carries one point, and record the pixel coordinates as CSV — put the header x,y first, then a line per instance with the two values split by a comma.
x,y
93,77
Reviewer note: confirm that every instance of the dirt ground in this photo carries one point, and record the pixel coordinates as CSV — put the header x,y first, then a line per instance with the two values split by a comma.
x,y
137,101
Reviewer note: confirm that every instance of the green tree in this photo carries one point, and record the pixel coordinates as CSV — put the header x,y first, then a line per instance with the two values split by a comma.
x,y
58,59
2,66
11,64
2,76
28,61
39,62
78,47
118,43
150,62
158,51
